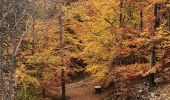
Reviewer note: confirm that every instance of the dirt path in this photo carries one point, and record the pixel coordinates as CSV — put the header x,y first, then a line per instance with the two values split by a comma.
x,y
82,90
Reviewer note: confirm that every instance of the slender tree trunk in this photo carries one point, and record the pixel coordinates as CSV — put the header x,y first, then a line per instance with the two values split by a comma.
x,y
121,14
1,55
33,30
141,20
13,60
61,50
141,16
1,67
12,70
153,46
130,11
33,36
168,19
152,63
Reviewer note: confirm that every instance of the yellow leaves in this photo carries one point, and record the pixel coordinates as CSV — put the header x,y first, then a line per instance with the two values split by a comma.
x,y
22,77
42,62
99,71
106,7
156,1
167,5
93,68
140,40
95,52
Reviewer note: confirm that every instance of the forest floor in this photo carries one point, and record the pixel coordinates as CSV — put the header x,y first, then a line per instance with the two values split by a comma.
x,y
82,90
162,90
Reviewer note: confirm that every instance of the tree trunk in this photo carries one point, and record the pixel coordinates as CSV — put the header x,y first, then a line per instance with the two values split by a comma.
x,y
33,30
168,19
1,56
153,45
141,16
141,20
33,37
1,68
152,63
121,14
61,50
12,70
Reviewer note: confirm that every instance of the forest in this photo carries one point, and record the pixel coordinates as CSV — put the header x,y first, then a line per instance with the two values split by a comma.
x,y
84,50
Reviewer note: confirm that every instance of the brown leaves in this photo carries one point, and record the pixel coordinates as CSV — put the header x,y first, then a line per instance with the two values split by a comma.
x,y
131,72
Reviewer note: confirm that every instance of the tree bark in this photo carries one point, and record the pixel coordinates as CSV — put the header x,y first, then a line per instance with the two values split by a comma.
x,y
141,20
33,29
153,46
1,67
61,50
12,70
121,14
168,19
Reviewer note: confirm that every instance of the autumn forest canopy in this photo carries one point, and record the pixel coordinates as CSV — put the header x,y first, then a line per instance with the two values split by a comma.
x,y
66,49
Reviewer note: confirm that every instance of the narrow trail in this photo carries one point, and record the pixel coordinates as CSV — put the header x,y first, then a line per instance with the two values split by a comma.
x,y
82,90
78,84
